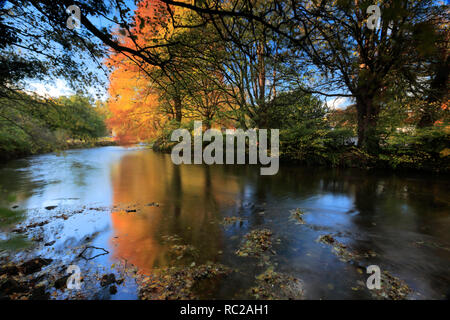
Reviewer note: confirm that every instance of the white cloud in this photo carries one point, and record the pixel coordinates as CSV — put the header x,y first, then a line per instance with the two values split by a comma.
x,y
51,89
338,103
59,87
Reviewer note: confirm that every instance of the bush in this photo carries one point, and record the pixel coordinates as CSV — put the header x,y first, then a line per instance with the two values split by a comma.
x,y
423,148
305,145
340,137
162,142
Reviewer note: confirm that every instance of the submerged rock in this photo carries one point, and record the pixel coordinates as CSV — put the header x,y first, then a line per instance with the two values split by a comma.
x,y
179,251
255,243
108,279
231,220
61,282
39,293
277,286
34,265
10,270
339,248
327,239
391,288
297,214
152,204
178,282
30,226
113,289
9,286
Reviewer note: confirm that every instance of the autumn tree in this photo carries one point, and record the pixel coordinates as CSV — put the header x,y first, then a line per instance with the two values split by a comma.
x,y
332,38
137,88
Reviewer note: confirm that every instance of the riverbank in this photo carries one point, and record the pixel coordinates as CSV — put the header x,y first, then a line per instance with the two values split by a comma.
x,y
67,145
421,150
353,157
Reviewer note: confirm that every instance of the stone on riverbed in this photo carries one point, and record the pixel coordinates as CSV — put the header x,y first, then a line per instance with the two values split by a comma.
x,y
273,285
256,243
178,282
34,265
108,279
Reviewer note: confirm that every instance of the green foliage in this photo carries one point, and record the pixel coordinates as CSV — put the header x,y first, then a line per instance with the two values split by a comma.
x,y
31,124
306,135
22,131
305,145
422,148
79,118
339,138
163,142
291,108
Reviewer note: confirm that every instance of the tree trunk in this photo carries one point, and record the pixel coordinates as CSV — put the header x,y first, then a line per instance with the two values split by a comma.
x,y
427,118
207,123
368,112
262,120
178,107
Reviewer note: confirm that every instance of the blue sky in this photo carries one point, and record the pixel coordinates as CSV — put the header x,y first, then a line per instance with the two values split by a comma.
x,y
59,87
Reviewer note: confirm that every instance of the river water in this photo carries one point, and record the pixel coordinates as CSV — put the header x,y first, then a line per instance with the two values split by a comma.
x,y
403,219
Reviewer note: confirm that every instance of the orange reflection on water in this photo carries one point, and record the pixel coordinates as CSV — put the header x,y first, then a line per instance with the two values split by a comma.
x,y
189,209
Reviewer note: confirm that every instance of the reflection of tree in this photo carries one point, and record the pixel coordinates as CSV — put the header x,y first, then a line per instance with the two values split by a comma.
x,y
401,202
209,200
366,199
395,217
16,181
176,189
80,171
135,179
196,210
194,198
188,206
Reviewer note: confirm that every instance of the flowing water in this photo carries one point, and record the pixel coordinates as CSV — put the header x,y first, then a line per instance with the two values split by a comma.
x,y
403,219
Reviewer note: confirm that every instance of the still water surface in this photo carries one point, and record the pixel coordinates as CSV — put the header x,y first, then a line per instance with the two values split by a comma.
x,y
403,218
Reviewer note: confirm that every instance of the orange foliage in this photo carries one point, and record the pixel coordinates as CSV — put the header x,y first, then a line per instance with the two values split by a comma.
x,y
133,102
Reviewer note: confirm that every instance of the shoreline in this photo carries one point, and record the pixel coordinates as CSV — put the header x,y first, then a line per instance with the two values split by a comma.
x,y
347,160
354,164
73,144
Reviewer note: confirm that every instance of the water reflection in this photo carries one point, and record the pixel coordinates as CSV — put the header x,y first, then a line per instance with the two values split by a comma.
x,y
404,218
188,208
388,214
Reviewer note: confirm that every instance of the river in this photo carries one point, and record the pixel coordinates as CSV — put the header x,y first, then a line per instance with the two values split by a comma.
x,y
132,202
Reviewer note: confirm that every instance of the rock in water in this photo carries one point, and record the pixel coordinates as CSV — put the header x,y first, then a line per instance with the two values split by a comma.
x,y
34,265
113,289
108,279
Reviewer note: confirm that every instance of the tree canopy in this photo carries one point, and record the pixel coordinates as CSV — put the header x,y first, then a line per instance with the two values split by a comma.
x,y
239,63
